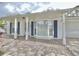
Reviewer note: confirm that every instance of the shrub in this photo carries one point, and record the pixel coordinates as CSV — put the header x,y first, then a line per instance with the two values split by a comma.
x,y
1,23
1,53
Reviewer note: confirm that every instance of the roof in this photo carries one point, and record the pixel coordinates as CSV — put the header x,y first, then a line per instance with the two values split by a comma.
x,y
49,14
53,14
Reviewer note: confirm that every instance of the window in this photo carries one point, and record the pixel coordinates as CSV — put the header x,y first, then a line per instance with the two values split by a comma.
x,y
11,28
51,30
18,28
42,28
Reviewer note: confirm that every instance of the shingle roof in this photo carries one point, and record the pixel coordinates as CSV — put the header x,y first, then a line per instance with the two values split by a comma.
x,y
53,14
50,14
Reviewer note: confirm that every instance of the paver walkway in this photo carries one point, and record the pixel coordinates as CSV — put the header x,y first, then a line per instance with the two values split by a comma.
x,y
33,48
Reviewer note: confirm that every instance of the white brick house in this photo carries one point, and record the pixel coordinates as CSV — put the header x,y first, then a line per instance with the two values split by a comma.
x,y
58,24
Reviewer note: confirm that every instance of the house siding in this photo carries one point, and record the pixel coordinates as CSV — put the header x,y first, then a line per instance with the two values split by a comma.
x,y
22,28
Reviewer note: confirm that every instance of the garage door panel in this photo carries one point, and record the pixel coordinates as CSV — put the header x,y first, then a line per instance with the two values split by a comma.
x,y
72,29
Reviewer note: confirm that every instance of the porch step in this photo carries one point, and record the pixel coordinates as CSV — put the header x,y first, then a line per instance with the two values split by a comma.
x,y
49,41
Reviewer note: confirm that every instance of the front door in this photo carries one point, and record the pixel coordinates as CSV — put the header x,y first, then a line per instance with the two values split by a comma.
x,y
32,28
18,28
10,28
55,28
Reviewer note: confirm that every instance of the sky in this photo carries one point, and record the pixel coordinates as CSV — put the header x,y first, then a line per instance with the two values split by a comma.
x,y
11,8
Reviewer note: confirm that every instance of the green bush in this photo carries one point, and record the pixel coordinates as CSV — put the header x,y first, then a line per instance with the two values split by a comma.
x,y
1,53
1,23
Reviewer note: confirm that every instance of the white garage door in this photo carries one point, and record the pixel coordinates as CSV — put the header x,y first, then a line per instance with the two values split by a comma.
x,y
72,28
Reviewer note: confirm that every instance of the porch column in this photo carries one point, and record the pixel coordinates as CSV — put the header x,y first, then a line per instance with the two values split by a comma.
x,y
37,28
15,28
48,29
26,36
64,33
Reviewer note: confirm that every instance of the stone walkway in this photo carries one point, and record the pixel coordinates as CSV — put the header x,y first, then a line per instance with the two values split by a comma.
x,y
33,48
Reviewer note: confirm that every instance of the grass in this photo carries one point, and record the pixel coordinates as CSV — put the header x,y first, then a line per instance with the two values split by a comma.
x,y
1,53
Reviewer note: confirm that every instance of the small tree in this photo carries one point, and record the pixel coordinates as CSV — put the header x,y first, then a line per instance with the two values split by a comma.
x,y
2,23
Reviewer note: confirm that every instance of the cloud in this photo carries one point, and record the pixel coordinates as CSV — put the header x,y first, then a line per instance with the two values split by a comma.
x,y
10,8
27,7
42,7
63,5
33,7
24,8
20,7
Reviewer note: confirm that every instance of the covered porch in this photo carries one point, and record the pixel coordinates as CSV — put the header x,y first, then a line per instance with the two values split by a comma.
x,y
16,27
39,26
41,29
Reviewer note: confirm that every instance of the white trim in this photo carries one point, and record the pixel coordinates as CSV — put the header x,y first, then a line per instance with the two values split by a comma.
x,y
45,19
45,37
72,20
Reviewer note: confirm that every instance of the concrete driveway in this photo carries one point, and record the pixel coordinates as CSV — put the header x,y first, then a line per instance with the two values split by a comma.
x,y
73,46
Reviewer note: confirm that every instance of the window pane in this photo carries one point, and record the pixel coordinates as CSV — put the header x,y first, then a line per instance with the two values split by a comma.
x,y
42,28
50,24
